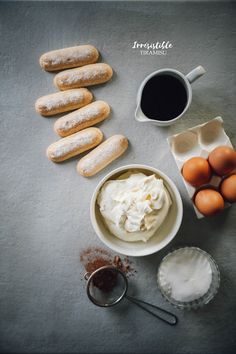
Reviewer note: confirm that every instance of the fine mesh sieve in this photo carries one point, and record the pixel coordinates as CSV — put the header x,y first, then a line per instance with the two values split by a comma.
x,y
108,285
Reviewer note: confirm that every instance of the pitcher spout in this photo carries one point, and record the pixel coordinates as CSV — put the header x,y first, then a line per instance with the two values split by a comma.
x,y
139,115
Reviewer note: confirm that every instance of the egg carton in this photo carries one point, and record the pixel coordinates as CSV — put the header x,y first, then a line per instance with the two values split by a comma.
x,y
199,141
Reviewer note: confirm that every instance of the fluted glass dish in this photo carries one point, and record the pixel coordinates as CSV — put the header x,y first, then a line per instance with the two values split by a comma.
x,y
200,301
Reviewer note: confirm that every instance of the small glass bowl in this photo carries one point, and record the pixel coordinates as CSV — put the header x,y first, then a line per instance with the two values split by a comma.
x,y
201,301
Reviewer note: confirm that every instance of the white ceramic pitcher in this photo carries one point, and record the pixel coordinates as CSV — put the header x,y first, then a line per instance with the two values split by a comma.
x,y
187,80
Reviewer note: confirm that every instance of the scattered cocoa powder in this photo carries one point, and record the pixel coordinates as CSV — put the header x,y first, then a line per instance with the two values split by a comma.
x,y
93,258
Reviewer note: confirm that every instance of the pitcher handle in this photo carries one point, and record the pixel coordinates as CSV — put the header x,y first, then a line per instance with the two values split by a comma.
x,y
195,74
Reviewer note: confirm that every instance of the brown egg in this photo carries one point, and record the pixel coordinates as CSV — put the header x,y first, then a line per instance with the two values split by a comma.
x,y
196,171
222,160
209,202
228,188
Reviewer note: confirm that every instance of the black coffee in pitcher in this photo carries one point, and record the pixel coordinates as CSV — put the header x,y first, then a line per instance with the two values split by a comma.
x,y
164,97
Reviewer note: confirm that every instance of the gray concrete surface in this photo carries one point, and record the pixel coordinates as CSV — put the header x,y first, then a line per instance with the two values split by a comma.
x,y
45,207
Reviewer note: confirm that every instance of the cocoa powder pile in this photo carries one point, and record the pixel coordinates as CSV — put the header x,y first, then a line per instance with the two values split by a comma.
x,y
105,280
94,258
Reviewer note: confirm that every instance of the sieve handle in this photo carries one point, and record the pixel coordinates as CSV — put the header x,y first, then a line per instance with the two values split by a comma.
x,y
87,275
166,316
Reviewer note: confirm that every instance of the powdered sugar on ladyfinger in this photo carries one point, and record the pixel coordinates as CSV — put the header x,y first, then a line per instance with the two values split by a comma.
x,y
74,144
87,116
85,76
103,155
69,57
60,102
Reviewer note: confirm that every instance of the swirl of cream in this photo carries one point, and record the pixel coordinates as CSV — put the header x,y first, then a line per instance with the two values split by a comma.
x,y
134,208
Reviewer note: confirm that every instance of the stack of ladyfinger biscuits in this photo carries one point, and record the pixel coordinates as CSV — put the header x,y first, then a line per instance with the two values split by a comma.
x,y
76,128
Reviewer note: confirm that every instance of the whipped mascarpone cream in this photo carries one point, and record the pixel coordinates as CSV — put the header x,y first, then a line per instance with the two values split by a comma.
x,y
134,207
185,275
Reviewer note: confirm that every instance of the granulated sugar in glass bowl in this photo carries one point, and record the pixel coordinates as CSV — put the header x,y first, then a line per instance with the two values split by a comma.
x,y
188,278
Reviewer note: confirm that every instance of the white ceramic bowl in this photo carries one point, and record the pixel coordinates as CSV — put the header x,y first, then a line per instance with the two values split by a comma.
x,y
163,235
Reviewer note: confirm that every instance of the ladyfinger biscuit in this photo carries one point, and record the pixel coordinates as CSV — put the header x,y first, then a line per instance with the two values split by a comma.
x,y
60,102
82,118
74,145
69,57
81,77
102,155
